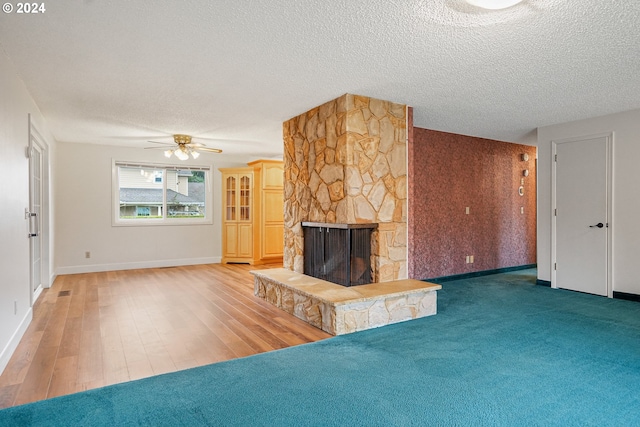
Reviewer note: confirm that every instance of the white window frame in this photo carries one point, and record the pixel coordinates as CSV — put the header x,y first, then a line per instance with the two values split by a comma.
x,y
164,221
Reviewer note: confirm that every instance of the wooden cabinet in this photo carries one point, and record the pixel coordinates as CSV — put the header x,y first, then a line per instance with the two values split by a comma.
x,y
252,215
237,222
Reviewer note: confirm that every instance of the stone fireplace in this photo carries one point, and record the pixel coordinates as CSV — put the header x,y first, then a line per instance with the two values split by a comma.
x,y
346,162
345,168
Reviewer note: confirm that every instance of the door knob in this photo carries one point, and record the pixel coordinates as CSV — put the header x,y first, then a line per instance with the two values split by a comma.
x,y
599,225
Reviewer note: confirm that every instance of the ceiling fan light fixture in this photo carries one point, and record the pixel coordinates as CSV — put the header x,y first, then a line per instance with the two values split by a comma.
x,y
184,147
493,4
181,154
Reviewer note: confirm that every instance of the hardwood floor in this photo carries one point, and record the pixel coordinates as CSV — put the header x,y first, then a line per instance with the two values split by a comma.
x,y
95,329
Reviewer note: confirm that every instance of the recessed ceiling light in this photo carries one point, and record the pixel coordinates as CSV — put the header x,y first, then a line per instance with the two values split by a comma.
x,y
494,4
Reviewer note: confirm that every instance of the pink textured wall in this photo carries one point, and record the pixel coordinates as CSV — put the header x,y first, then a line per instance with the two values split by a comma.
x,y
449,172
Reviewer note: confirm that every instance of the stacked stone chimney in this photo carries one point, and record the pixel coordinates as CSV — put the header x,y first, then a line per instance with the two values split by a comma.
x,y
346,162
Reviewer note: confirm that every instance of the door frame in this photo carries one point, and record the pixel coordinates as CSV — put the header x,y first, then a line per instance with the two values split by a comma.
x,y
35,138
609,136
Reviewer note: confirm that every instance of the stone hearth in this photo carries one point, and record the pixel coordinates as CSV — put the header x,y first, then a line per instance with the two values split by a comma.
x,y
341,310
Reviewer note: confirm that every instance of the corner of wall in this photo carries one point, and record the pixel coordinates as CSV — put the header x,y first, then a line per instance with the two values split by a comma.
x,y
11,346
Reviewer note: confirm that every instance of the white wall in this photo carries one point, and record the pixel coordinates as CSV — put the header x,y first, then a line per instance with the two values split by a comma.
x,y
84,206
15,106
625,224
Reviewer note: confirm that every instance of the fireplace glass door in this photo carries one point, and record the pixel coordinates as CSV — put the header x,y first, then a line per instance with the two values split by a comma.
x,y
338,253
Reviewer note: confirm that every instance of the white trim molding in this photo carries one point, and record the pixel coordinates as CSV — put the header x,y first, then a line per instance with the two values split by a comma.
x,y
11,346
95,268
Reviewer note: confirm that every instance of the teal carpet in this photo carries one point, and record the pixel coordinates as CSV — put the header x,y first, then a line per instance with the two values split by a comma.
x,y
500,351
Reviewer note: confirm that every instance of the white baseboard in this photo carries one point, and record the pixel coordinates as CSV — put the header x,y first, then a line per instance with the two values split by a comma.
x,y
94,268
11,346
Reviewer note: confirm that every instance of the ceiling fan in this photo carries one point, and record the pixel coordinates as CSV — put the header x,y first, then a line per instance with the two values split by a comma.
x,y
184,147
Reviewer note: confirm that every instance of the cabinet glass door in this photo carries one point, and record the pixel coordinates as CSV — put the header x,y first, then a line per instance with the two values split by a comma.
x,y
245,198
231,199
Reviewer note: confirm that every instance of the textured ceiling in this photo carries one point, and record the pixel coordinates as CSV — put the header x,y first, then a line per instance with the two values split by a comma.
x,y
123,72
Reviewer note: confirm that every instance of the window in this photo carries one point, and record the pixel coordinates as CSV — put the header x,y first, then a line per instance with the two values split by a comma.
x,y
149,194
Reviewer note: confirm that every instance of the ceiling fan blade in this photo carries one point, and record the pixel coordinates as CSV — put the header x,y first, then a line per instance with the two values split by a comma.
x,y
155,148
162,143
211,150
205,138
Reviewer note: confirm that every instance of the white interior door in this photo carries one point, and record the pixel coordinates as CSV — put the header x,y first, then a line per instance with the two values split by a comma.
x,y
34,215
582,188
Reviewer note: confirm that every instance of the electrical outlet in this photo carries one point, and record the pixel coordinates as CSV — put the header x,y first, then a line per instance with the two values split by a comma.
x,y
470,259
466,259
15,307
467,210
521,209
87,254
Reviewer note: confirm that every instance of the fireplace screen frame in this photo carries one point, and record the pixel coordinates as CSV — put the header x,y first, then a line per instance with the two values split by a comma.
x,y
338,253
